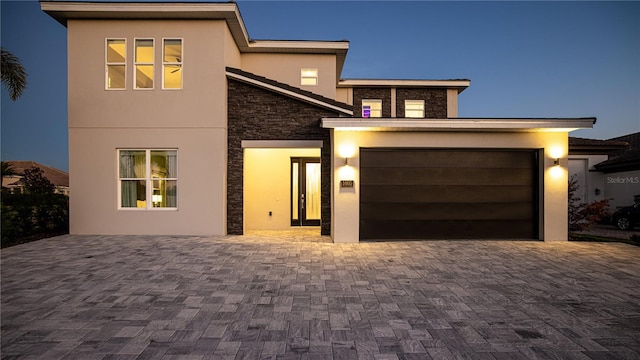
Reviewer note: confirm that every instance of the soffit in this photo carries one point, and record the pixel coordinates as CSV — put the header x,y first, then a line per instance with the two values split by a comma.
x,y
64,11
460,124
459,84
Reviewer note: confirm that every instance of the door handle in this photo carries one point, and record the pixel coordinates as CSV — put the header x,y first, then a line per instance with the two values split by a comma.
x,y
302,201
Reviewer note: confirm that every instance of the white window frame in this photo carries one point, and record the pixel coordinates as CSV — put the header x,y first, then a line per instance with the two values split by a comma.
x,y
107,64
135,63
413,102
148,180
377,101
180,63
305,76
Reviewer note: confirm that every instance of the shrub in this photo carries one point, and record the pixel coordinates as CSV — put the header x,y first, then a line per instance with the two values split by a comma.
x,y
581,215
33,216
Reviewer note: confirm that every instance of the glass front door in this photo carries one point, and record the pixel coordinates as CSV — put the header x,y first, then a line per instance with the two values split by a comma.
x,y
305,191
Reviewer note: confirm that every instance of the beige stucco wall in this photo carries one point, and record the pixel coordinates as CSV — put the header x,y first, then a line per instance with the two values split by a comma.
x,y
201,102
94,172
191,120
267,187
232,55
345,95
452,103
346,202
286,68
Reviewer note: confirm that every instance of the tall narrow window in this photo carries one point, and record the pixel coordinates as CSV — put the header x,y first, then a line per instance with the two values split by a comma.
x,y
148,178
309,77
144,64
172,64
116,63
414,108
371,108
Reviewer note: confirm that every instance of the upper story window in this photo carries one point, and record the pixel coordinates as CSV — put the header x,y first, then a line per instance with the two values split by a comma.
x,y
148,178
414,108
371,108
116,63
309,77
144,64
172,64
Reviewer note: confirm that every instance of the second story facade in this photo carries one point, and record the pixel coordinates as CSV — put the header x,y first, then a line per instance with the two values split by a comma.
x,y
150,64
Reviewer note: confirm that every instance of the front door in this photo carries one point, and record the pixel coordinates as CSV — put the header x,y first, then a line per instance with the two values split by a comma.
x,y
305,191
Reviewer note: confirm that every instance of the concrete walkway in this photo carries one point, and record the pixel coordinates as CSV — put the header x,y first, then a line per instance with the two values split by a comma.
x,y
295,295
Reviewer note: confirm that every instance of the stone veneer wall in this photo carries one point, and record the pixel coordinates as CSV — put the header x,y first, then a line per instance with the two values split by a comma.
x,y
372,93
435,101
258,114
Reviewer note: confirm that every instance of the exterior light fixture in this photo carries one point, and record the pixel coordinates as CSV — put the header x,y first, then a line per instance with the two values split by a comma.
x,y
346,151
556,161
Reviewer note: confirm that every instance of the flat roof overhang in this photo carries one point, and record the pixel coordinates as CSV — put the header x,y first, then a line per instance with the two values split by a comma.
x,y
460,124
459,84
62,11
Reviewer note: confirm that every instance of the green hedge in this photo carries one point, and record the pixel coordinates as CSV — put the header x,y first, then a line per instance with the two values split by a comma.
x,y
28,217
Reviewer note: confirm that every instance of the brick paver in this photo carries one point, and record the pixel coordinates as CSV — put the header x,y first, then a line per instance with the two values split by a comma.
x,y
296,295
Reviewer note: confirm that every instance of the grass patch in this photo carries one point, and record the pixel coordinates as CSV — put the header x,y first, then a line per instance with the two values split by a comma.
x,y
633,240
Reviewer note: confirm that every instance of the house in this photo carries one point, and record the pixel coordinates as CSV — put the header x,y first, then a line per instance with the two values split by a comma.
x,y
606,169
15,184
180,123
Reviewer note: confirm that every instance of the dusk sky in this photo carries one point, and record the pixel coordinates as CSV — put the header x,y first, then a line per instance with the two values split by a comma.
x,y
524,59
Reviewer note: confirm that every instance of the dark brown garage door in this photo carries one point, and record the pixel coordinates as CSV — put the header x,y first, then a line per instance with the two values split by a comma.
x,y
448,194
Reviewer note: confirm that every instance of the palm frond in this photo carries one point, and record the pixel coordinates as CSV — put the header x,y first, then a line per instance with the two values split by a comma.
x,y
14,76
7,169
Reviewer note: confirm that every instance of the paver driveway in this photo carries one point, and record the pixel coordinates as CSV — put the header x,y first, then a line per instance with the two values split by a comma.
x,y
297,296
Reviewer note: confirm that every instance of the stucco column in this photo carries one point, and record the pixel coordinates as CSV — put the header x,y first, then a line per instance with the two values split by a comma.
x,y
555,189
346,200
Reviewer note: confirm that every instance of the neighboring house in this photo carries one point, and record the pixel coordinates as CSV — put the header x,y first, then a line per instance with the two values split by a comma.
x,y
607,169
179,123
15,183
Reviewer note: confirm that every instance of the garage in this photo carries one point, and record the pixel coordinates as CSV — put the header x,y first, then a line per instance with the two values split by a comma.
x,y
448,194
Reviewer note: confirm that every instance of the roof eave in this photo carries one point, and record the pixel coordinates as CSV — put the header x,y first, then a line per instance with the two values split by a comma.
x,y
288,92
459,124
460,84
63,11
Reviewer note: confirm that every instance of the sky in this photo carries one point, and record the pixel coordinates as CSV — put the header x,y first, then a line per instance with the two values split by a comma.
x,y
524,59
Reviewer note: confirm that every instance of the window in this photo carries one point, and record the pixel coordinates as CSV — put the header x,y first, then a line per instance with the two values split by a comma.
x,y
144,64
309,77
148,179
172,64
414,108
371,108
116,55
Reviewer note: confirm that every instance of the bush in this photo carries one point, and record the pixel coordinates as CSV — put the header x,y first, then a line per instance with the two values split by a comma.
x,y
33,216
581,215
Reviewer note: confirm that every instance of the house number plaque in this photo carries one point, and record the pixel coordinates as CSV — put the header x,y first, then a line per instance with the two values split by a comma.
x,y
346,183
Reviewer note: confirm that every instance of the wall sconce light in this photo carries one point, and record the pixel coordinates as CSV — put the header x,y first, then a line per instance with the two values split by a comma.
x,y
597,192
346,151
556,161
